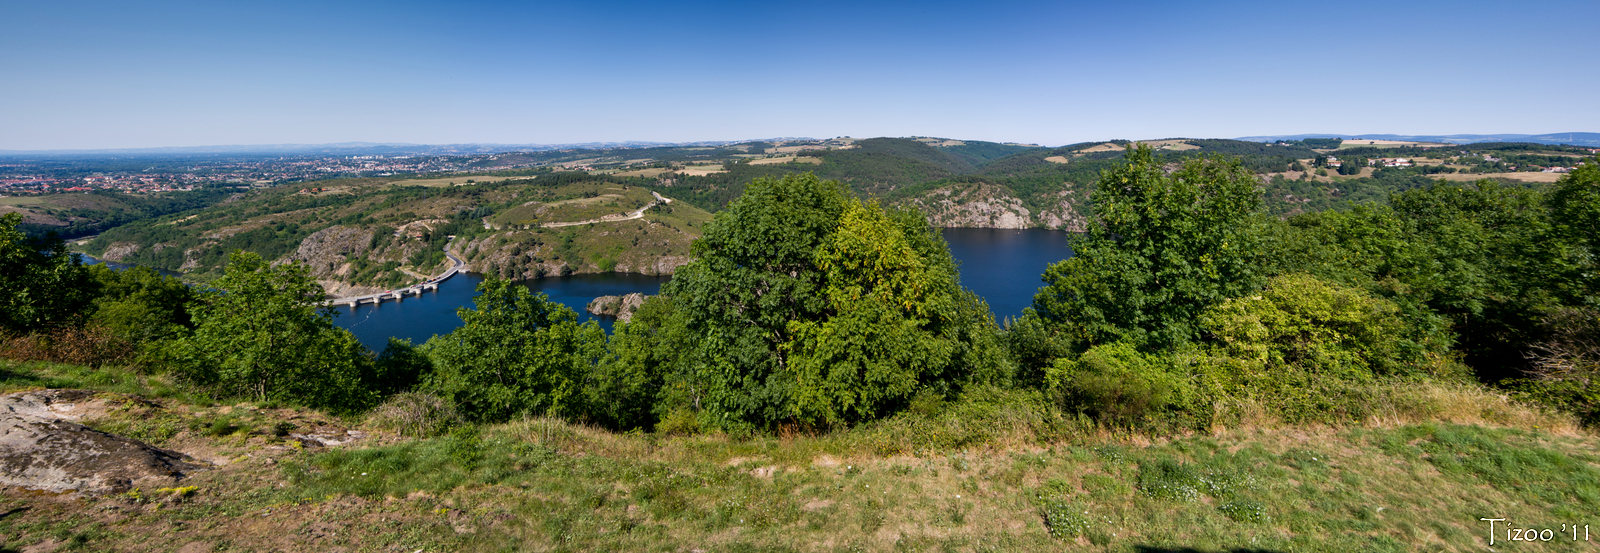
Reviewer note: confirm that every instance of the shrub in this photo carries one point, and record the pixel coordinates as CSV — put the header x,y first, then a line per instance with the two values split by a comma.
x,y
1063,519
91,345
515,353
1565,369
415,414
1117,384
1304,322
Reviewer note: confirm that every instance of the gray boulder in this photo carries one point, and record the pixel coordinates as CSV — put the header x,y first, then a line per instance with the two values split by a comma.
x,y
42,449
621,307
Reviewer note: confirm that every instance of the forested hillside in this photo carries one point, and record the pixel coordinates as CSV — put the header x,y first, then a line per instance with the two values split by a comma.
x,y
373,234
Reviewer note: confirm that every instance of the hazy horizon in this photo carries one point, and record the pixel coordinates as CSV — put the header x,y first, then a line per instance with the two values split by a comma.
x,y
113,76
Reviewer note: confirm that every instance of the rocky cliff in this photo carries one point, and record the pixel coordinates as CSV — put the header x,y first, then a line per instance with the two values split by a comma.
x,y
982,205
622,307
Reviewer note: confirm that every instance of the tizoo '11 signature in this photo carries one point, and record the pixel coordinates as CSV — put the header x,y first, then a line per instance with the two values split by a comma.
x,y
1513,533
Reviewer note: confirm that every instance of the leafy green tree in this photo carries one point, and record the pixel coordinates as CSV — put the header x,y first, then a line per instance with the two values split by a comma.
x,y
895,322
1161,247
42,285
515,353
807,307
630,388
263,335
1575,212
1495,266
141,305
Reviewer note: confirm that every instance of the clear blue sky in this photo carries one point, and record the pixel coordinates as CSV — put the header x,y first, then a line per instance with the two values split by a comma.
x,y
136,74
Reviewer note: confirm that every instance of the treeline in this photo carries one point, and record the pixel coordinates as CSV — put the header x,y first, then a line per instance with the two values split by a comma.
x,y
1185,306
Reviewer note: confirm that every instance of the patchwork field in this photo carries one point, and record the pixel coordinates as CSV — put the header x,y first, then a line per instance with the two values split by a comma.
x,y
701,170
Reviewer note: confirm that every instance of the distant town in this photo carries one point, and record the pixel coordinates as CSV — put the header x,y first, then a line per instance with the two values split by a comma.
x,y
150,174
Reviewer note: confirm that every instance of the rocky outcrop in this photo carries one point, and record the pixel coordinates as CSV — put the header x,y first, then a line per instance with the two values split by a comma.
x,y
974,206
982,205
622,307
326,251
41,448
1063,213
119,251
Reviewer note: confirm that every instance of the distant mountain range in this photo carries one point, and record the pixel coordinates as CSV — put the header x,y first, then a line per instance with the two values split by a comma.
x,y
366,148
1588,139
1556,138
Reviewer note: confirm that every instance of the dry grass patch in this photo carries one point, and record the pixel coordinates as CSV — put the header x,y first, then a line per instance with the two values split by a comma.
x,y
701,170
454,180
780,160
651,172
1519,176
1058,159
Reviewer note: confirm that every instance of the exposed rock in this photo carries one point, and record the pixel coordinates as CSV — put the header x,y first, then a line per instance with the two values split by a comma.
x,y
326,250
1064,214
983,205
622,307
980,206
119,251
42,449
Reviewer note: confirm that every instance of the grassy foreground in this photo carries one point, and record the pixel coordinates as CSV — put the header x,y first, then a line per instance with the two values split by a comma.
x,y
988,473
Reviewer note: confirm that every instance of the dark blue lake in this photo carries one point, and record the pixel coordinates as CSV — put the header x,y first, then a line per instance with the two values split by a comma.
x,y
1002,266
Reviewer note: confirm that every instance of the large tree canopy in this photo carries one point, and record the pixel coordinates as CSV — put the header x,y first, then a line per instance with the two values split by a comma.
x,y
41,283
264,335
1162,247
810,307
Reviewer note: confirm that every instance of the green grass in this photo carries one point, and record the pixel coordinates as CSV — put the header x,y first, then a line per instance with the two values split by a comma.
x,y
32,375
995,471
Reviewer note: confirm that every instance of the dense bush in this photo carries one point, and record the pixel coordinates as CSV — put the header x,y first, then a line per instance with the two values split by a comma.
x,y
1120,385
264,335
42,285
1302,321
516,353
1566,366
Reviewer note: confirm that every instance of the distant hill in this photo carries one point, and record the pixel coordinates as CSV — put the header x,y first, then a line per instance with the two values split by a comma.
x,y
1589,139
370,234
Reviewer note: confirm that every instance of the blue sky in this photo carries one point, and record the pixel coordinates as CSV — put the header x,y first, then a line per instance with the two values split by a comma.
x,y
122,74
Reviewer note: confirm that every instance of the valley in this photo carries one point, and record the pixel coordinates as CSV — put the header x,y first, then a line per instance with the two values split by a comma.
x,y
531,214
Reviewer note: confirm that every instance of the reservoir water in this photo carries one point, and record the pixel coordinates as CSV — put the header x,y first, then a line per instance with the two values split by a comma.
x,y
1001,266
